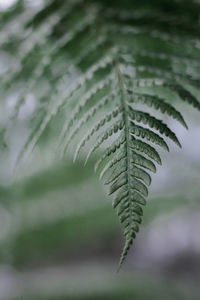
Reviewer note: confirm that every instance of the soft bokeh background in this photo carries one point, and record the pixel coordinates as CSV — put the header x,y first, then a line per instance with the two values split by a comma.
x,y
60,238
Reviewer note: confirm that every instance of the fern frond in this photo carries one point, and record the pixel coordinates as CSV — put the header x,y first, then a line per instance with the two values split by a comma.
x,y
149,135
113,162
101,139
141,174
158,104
145,118
96,89
145,148
96,128
110,150
184,94
91,113
118,169
142,161
93,62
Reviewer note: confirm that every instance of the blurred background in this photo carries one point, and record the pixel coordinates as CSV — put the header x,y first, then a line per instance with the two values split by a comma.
x,y
60,237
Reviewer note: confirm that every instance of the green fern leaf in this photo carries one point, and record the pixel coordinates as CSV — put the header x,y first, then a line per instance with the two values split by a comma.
x,y
92,62
158,104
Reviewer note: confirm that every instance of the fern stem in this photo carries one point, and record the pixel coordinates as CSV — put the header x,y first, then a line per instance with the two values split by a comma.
x,y
127,136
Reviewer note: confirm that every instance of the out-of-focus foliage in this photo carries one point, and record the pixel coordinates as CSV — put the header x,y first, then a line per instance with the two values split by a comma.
x,y
57,226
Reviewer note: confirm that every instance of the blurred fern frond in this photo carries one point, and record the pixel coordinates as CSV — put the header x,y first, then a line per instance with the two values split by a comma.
x,y
100,65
